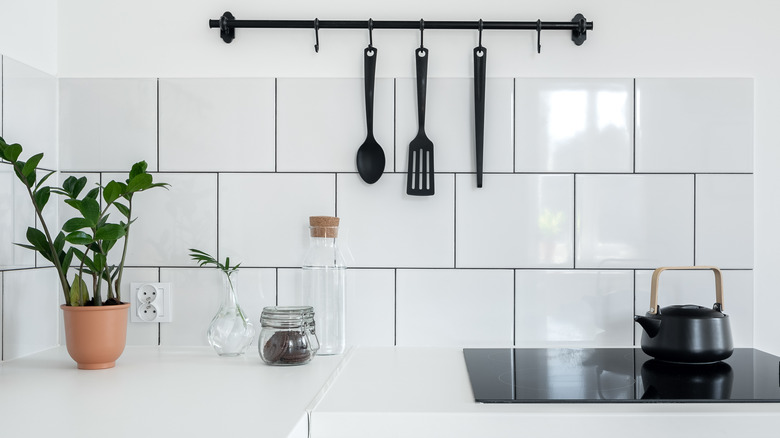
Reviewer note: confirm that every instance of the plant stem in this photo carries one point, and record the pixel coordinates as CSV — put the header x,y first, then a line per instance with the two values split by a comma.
x,y
55,257
124,248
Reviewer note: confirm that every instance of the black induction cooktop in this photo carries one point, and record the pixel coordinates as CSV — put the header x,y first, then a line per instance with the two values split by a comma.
x,y
617,375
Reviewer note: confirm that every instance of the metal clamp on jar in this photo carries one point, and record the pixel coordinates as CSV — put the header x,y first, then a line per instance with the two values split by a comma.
x,y
287,336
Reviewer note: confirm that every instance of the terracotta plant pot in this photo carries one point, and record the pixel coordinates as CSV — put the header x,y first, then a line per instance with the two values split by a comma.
x,y
95,335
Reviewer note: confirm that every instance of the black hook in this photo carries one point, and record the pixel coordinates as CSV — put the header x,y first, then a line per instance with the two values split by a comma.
x,y
370,33
480,33
422,29
317,35
538,36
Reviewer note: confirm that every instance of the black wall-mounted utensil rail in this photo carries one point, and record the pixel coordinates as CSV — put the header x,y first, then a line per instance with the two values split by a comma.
x,y
227,25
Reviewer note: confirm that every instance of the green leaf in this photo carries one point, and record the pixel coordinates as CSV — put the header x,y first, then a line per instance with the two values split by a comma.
x,y
137,169
75,203
59,242
78,292
73,186
79,238
41,197
66,260
31,164
108,244
111,192
44,179
11,152
90,209
76,223
122,209
93,194
38,240
84,259
138,183
110,232
18,166
99,261
26,246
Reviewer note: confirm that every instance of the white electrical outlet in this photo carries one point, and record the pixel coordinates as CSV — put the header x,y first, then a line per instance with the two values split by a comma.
x,y
151,302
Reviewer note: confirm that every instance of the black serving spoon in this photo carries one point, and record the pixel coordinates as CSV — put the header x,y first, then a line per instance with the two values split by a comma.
x,y
370,156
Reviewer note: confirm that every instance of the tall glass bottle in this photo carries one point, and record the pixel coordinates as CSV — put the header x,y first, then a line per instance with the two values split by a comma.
x,y
324,284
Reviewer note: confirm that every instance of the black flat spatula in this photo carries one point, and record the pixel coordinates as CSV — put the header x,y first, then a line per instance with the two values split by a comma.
x,y
419,176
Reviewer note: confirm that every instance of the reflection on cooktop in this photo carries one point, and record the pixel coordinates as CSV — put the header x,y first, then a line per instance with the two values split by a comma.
x,y
617,375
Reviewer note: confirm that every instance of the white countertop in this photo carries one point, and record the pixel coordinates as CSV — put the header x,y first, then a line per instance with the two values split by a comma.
x,y
377,392
158,392
423,392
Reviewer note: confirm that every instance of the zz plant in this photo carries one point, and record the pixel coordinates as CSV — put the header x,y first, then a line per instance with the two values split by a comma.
x,y
89,235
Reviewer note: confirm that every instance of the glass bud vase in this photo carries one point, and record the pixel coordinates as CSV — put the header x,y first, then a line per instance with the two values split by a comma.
x,y
230,333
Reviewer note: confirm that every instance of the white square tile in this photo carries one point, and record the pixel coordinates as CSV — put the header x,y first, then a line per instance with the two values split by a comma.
x,y
698,287
454,308
30,111
694,125
322,123
370,304
633,221
30,311
217,124
574,125
574,308
16,214
517,221
449,123
107,124
196,298
171,221
264,218
724,221
388,228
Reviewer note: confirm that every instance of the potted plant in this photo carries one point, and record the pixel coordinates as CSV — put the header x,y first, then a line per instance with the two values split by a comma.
x,y
230,333
95,329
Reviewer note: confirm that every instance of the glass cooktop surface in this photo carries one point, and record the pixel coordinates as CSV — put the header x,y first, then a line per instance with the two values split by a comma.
x,y
617,375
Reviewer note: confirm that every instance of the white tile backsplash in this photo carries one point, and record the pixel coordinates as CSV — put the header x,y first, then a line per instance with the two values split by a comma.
x,y
196,298
698,287
30,311
264,218
30,111
724,221
16,214
315,136
694,125
574,125
456,308
545,254
516,221
574,308
107,124
216,125
388,228
449,123
634,221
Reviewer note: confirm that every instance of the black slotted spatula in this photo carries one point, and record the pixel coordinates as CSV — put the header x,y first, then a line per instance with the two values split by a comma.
x,y
419,176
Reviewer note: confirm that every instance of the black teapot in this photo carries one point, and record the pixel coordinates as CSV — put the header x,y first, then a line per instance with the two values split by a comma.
x,y
686,333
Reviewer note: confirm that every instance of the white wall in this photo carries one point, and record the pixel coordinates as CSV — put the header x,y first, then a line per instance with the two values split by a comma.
x,y
663,38
28,32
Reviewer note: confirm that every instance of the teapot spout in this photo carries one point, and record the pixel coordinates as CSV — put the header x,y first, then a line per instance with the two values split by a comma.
x,y
650,325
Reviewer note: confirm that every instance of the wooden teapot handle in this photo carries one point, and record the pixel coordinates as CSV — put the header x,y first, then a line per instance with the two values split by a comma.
x,y
657,273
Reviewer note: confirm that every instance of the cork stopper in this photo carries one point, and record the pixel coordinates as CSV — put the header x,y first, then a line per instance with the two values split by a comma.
x,y
324,226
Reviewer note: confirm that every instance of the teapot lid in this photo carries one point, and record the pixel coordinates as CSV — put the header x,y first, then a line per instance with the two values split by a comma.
x,y
693,311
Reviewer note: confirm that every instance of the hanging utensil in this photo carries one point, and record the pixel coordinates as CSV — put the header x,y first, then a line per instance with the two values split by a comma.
x,y
370,156
480,63
419,176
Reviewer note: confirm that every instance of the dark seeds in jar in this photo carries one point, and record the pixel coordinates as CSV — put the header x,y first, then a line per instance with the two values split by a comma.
x,y
286,347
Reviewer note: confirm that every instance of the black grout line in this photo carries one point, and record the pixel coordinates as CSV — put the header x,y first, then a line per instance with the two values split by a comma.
x,y
514,125
2,96
694,220
276,124
159,324
158,125
217,217
395,307
415,268
633,331
633,139
514,307
395,124
2,299
336,195
276,274
574,225
455,222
